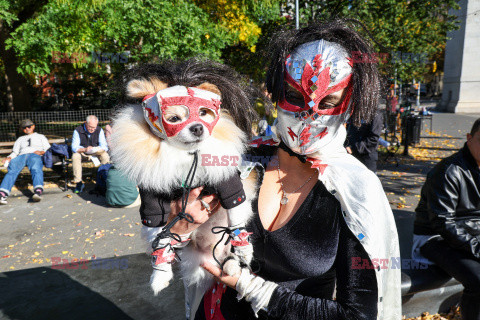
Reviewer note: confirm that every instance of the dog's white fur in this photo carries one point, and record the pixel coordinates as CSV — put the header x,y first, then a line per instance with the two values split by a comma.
x,y
158,165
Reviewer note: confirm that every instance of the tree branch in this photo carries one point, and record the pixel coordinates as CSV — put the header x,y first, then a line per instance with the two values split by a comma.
x,y
28,11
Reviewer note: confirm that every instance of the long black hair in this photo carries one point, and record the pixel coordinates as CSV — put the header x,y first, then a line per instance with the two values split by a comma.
x,y
366,78
193,72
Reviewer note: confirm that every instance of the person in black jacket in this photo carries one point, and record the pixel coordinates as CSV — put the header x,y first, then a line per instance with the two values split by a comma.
x,y
447,223
362,142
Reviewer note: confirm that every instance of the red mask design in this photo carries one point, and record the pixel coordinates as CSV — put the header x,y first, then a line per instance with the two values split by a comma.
x,y
314,92
191,101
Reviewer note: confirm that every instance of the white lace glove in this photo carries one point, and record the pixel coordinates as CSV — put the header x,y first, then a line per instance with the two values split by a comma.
x,y
255,290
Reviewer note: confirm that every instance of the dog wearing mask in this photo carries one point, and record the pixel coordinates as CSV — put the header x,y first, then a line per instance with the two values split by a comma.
x,y
174,117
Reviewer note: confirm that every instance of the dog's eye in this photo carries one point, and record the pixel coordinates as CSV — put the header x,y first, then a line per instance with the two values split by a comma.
x,y
206,114
173,119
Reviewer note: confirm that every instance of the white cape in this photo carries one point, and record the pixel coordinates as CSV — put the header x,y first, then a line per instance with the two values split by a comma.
x,y
367,213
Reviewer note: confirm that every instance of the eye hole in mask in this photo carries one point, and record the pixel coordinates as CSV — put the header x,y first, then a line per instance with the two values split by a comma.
x,y
176,114
206,114
293,96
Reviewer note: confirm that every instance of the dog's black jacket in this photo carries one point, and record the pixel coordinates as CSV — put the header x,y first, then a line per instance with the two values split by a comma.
x,y
156,206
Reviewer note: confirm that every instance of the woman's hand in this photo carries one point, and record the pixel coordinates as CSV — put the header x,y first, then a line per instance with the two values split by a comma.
x,y
221,277
194,208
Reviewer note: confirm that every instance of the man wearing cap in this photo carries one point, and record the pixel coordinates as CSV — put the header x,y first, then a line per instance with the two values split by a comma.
x,y
27,151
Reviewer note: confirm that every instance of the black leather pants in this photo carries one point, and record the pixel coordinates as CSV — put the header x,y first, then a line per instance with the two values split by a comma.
x,y
462,266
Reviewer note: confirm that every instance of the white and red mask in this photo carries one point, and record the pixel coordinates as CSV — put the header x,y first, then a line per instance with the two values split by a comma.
x,y
315,69
173,109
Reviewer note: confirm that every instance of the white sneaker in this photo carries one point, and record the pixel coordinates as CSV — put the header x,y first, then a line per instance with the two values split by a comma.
x,y
37,195
3,200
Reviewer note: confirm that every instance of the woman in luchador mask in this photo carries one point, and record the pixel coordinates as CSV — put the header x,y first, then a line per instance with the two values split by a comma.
x,y
323,232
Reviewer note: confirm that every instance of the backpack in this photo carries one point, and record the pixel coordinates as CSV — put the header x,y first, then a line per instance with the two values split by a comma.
x,y
101,181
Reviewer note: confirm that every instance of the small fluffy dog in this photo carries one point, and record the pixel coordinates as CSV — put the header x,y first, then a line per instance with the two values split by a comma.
x,y
189,108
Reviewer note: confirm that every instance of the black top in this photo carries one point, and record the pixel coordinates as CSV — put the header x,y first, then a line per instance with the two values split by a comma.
x,y
304,257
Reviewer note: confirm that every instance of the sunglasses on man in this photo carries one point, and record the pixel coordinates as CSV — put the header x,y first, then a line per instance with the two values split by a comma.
x,y
28,126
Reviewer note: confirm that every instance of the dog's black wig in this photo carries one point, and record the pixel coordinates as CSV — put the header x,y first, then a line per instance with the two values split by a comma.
x,y
193,72
366,78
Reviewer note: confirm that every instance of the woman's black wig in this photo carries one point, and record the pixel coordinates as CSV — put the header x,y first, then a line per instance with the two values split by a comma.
x,y
192,73
366,78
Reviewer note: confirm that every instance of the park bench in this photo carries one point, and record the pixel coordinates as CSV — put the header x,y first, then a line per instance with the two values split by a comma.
x,y
429,289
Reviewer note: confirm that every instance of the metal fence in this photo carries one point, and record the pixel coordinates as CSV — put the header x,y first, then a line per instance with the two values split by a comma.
x,y
52,124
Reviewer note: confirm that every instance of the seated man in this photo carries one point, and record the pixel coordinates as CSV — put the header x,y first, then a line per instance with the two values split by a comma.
x,y
88,140
27,151
447,222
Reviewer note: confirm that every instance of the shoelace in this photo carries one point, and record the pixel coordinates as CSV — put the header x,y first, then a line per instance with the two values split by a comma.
x,y
218,230
225,231
186,188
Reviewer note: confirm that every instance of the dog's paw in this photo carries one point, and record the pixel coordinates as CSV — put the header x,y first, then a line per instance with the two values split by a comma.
x,y
159,280
246,259
232,267
244,253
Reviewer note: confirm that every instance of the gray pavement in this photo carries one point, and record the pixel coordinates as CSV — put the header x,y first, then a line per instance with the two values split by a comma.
x,y
402,183
69,226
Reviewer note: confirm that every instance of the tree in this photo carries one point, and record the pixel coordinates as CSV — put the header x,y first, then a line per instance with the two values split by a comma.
x,y
86,38
178,30
416,29
12,16
247,53
73,36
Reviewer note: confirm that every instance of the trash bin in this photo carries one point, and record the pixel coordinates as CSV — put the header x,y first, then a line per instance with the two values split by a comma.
x,y
416,129
411,130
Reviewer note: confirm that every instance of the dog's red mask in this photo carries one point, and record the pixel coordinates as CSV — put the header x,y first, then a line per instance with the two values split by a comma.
x,y
193,100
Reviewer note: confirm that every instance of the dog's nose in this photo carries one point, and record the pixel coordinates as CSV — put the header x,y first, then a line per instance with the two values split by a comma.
x,y
197,130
